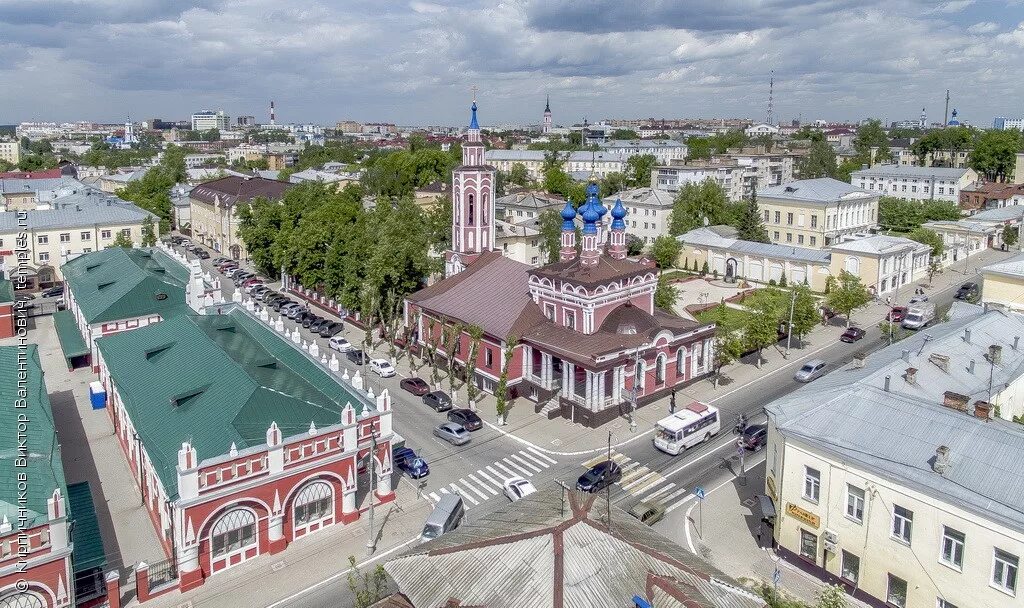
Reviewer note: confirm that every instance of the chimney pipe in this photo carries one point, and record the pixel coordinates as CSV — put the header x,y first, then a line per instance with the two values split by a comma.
x,y
941,462
911,375
967,336
887,378
1016,342
970,368
995,354
906,355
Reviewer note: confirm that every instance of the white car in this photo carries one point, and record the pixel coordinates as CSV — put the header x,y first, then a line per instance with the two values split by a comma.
x,y
918,299
250,288
382,367
339,344
517,487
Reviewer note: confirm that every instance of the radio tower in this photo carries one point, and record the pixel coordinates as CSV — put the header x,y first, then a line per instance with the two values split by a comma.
x,y
272,112
771,90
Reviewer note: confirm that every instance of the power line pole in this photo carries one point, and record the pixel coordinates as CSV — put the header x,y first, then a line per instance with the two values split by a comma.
x,y
945,118
608,488
371,543
771,91
789,333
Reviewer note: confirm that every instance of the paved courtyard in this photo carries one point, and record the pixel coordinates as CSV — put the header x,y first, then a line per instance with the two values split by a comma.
x,y
701,291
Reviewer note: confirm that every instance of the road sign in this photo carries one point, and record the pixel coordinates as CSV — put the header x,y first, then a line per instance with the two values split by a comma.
x,y
699,492
776,576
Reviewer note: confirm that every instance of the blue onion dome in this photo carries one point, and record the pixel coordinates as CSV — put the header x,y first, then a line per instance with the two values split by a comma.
x,y
473,123
592,189
590,217
568,215
618,212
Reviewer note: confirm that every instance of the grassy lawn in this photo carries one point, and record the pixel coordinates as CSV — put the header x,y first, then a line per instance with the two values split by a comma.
x,y
733,317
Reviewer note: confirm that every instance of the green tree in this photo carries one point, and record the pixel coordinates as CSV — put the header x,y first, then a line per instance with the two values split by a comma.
x,y
519,175
634,244
624,134
847,295
6,166
638,170
503,402
995,154
148,234
762,327
694,203
832,596
1010,235
728,345
666,295
697,148
749,224
665,251
805,312
122,240
439,222
613,183
550,226
369,588
870,135
476,334
930,238
819,162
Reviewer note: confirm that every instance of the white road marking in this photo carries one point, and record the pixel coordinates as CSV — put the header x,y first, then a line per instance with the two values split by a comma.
x,y
458,491
444,491
434,497
525,463
665,501
484,485
474,490
510,472
531,458
629,466
520,471
542,455
500,476
645,477
660,491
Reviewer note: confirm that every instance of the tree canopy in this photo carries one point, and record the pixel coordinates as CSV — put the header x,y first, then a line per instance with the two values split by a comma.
x,y
903,215
995,154
695,202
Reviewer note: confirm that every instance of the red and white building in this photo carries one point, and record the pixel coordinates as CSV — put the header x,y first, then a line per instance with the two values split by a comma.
x,y
587,333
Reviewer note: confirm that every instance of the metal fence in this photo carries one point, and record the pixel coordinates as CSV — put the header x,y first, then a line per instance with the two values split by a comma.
x,y
162,573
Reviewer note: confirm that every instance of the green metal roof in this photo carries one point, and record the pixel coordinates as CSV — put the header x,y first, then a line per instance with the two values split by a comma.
x,y
88,551
71,342
6,291
217,380
43,470
119,283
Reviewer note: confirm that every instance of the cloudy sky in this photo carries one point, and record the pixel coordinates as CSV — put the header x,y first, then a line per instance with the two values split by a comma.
x,y
413,62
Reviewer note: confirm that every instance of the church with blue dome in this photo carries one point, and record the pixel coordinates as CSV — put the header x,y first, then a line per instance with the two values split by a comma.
x,y
589,343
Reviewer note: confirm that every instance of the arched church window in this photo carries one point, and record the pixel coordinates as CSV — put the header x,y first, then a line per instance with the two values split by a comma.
x,y
659,377
681,361
235,530
471,210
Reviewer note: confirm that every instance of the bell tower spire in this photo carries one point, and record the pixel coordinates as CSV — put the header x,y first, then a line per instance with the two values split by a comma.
x,y
547,115
472,201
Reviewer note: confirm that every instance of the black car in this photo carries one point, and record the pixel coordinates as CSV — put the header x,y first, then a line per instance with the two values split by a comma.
x,y
438,401
317,324
755,436
309,318
280,303
331,330
356,356
967,291
268,295
202,254
599,477
467,418
52,292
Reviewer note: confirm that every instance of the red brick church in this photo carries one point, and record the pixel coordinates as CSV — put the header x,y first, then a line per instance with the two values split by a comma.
x,y
586,327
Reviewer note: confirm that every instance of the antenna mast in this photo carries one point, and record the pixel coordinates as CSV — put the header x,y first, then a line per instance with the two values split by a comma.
x,y
771,91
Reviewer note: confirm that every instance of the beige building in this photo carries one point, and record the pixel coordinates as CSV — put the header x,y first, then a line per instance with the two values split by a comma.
x,y
10,151
214,210
521,242
647,211
77,224
1003,284
816,212
602,163
913,182
965,238
884,264
726,173
898,478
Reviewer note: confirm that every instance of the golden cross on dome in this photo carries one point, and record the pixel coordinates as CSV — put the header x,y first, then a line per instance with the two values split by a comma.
x,y
473,88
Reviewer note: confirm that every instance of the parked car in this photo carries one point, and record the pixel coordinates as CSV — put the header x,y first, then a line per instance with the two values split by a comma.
x,y
356,355
256,291
340,344
516,488
416,386
755,436
408,462
310,318
647,512
330,330
896,314
269,295
232,271
467,418
813,369
454,434
295,312
918,299
52,292
599,477
852,334
219,259
967,291
438,400
24,296
317,324
242,276
251,288
277,303
382,367
202,254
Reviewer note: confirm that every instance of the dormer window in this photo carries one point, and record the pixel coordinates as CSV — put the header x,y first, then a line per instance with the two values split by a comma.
x,y
569,318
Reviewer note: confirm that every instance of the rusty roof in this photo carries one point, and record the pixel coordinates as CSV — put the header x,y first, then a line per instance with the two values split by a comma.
x,y
607,269
234,189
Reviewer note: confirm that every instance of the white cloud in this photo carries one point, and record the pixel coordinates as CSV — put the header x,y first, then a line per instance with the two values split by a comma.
x,y
984,27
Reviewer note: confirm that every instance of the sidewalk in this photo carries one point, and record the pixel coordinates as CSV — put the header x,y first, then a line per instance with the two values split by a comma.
x,y
561,437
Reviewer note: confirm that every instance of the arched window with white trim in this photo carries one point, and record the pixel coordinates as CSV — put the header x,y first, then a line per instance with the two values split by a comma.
x,y
22,599
638,377
314,506
662,363
234,532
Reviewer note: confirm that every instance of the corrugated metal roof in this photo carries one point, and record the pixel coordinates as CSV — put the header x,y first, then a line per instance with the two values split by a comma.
x,y
119,283
71,342
87,208
910,171
1012,267
85,530
508,558
879,244
43,466
642,196
895,433
217,380
705,237
823,190
999,214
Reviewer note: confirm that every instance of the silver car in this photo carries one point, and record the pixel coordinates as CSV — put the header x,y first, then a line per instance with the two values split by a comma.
x,y
813,369
453,433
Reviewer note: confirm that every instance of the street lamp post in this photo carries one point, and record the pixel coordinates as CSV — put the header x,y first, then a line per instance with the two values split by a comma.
x,y
371,543
789,333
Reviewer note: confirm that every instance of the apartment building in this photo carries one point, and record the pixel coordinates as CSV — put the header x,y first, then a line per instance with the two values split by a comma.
x,y
525,205
76,224
647,211
1003,284
214,210
601,163
520,242
246,152
816,212
767,168
903,155
10,151
23,194
728,174
915,183
895,476
208,119
990,195
664,150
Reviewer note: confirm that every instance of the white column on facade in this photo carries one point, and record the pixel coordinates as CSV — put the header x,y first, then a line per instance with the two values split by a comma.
x,y
567,379
383,484
275,529
600,389
588,392
348,502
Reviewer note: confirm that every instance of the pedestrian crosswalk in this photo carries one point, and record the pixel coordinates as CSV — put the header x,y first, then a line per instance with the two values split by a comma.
x,y
486,483
644,483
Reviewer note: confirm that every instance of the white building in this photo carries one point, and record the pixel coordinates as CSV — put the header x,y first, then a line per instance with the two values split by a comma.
x,y
1001,122
733,178
208,119
915,183
761,129
899,477
664,150
884,263
601,163
964,238
647,211
520,207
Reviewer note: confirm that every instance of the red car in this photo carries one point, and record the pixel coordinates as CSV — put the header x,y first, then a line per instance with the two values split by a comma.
x,y
416,386
852,334
251,281
896,314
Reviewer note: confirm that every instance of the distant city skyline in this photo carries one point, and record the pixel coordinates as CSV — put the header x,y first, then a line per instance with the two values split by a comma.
x,y
414,63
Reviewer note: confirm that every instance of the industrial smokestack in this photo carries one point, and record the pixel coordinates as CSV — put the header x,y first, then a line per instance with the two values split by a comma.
x,y
272,112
